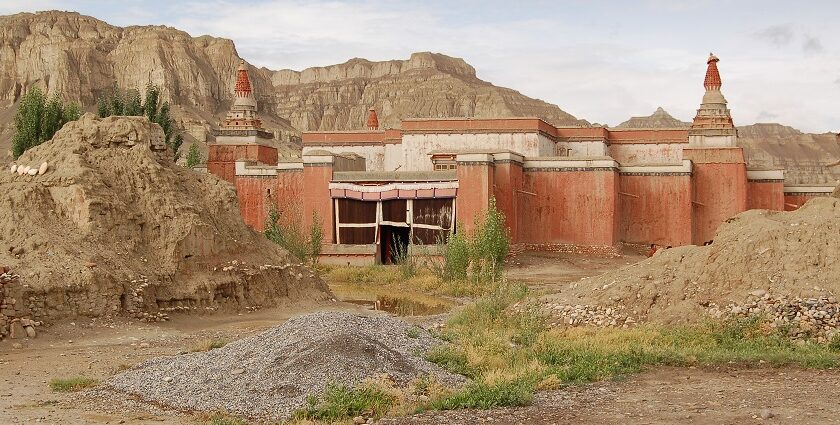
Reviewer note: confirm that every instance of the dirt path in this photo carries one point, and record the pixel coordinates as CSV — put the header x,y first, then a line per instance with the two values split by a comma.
x,y
672,396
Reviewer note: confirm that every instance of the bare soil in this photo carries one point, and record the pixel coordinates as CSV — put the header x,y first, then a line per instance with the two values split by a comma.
x,y
658,396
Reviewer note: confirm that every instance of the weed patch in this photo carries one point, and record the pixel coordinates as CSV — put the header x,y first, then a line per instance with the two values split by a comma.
x,y
207,345
341,402
67,385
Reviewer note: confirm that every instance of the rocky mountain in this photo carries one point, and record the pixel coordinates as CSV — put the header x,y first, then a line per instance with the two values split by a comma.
x,y
804,156
80,57
659,119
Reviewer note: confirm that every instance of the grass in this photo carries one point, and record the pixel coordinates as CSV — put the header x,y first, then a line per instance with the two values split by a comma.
x,y
509,353
67,385
223,419
341,401
207,345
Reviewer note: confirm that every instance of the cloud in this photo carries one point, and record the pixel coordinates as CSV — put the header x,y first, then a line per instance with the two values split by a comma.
x,y
765,116
777,35
812,45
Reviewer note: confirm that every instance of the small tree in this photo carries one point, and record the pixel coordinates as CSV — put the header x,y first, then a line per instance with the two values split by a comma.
x,y
316,237
193,156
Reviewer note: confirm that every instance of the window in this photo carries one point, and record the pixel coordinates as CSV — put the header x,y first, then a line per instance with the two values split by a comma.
x,y
444,162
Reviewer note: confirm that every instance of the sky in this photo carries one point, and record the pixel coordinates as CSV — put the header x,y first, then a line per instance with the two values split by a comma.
x,y
603,61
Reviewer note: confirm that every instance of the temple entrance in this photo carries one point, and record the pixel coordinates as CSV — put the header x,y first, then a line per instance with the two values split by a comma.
x,y
394,240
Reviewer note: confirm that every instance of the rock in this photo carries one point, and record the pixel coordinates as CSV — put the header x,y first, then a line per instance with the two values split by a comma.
x,y
767,414
238,371
758,293
13,168
16,330
359,420
21,170
30,331
17,346
43,168
32,171
167,379
144,345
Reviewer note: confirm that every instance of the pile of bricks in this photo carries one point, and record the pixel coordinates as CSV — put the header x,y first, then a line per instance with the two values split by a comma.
x,y
13,324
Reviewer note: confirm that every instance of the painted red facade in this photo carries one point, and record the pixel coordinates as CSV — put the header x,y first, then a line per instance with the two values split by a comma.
x,y
589,188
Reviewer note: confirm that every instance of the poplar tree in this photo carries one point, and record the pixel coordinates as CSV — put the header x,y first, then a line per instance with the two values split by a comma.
x,y
37,120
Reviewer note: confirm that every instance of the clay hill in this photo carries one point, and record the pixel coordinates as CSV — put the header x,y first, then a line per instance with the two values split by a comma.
x,y
769,255
81,57
804,156
113,226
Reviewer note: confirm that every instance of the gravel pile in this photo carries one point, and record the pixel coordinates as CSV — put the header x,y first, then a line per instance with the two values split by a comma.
x,y
269,375
817,318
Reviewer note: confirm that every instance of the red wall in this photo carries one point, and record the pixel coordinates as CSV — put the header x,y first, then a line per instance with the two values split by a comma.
x,y
508,178
793,202
475,186
655,209
316,197
765,195
221,158
569,207
254,199
720,192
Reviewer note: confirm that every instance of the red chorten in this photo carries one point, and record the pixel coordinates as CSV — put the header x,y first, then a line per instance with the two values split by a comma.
x,y
243,113
373,120
712,81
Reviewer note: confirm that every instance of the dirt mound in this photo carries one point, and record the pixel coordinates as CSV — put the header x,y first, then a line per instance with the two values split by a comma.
x,y
269,375
792,254
114,225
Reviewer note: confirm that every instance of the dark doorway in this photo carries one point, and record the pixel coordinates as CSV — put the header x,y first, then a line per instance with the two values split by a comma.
x,y
394,241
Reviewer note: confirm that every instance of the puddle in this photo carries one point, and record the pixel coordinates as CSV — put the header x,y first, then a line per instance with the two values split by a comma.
x,y
399,306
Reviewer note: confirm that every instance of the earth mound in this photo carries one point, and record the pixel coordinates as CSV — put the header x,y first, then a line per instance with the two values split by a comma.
x,y
269,375
772,255
113,225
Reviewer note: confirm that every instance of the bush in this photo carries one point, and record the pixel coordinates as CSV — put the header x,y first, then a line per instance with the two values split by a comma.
x,y
287,231
479,256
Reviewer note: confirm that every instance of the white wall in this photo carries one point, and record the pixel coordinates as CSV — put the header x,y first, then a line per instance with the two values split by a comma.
x,y
416,147
374,155
648,153
587,148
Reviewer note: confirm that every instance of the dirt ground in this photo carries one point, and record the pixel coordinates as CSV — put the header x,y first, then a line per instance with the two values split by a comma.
x,y
659,396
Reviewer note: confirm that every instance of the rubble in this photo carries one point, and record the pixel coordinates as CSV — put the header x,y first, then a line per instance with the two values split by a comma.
x,y
800,318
